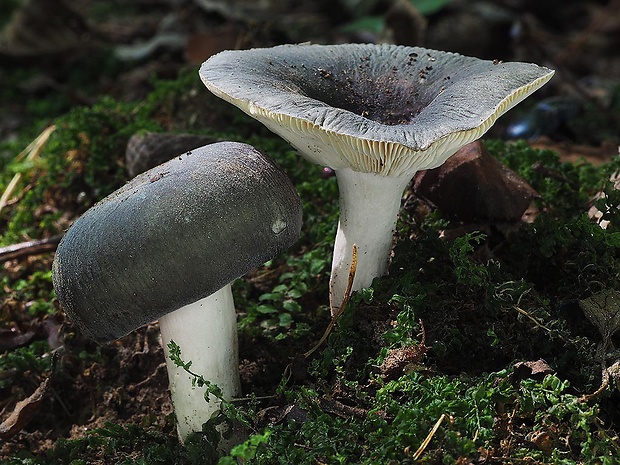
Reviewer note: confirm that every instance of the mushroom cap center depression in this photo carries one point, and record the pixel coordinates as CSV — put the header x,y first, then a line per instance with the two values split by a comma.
x,y
388,95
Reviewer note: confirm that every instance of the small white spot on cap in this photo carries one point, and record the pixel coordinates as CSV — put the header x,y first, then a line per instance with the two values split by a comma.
x,y
278,225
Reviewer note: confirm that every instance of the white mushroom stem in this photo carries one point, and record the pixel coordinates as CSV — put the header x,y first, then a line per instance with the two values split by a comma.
x,y
369,205
206,332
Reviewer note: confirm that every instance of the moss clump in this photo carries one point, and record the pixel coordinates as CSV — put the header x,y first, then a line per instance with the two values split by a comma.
x,y
470,419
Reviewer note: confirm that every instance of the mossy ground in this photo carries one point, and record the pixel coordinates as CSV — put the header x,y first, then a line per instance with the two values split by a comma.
x,y
438,346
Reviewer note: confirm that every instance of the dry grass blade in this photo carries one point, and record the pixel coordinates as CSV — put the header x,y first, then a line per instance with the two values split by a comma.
x,y
538,323
343,305
30,153
418,453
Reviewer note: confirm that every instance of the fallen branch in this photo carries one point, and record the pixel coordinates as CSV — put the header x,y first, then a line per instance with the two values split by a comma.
x,y
24,249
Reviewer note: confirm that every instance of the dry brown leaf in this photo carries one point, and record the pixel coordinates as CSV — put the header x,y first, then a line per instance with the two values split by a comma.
x,y
603,311
24,412
531,370
11,339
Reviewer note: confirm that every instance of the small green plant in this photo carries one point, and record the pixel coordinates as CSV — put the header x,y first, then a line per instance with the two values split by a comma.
x,y
467,271
246,450
228,411
279,311
24,362
571,427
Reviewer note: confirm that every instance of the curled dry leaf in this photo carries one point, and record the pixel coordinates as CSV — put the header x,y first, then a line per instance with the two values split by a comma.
x,y
609,375
10,339
532,369
24,412
48,328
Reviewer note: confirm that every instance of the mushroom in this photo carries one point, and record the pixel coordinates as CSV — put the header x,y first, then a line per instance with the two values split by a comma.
x,y
167,246
376,114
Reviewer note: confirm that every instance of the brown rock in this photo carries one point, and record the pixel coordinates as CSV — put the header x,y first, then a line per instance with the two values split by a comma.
x,y
472,185
149,149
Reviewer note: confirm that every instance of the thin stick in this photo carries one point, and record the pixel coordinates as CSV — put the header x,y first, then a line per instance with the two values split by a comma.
x,y
538,323
35,247
418,453
30,152
340,311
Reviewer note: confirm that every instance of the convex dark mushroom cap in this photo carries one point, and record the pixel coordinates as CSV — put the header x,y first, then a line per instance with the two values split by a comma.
x,y
173,235
384,109
146,150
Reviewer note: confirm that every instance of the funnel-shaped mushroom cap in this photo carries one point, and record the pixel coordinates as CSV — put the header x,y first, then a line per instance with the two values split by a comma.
x,y
383,109
173,235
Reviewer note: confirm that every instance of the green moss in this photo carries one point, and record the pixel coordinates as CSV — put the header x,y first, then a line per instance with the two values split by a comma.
x,y
476,414
82,161
119,443
564,188
23,362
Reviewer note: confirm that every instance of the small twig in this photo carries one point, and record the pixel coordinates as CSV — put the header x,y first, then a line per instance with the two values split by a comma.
x,y
342,410
538,323
340,311
418,453
23,249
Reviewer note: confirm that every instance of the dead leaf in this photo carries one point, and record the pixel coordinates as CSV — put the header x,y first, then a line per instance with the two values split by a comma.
x,y
11,339
531,370
404,359
542,440
603,311
614,373
48,328
24,412
608,375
